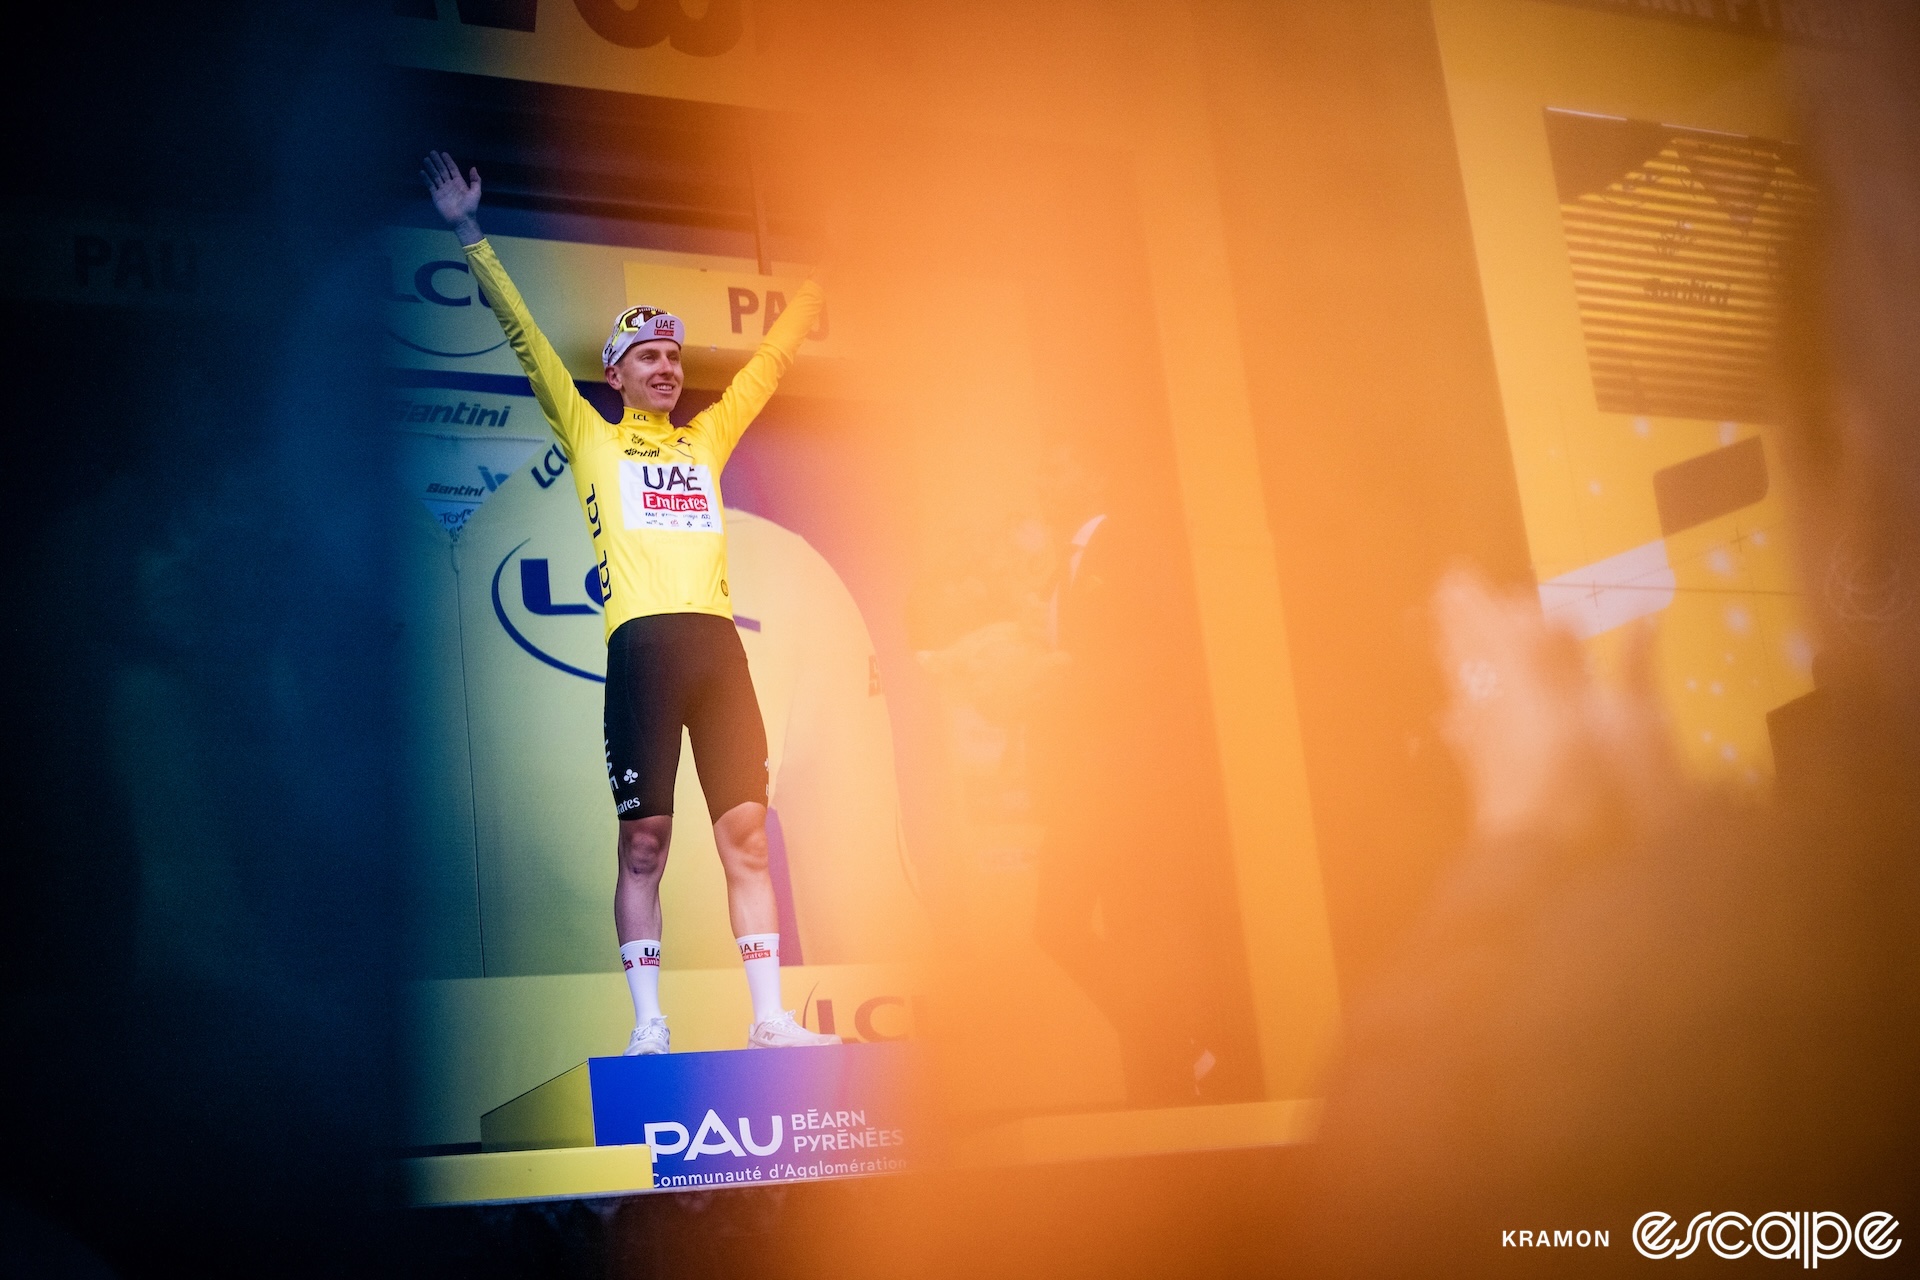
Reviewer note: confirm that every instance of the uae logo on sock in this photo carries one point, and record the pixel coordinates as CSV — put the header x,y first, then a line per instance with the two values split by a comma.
x,y
755,951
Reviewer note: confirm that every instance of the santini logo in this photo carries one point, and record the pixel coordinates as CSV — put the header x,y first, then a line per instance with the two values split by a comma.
x,y
1809,1238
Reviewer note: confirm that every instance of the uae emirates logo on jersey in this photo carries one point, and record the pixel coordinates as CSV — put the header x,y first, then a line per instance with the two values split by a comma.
x,y
677,496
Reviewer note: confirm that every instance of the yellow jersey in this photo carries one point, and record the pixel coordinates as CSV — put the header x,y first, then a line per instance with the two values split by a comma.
x,y
650,490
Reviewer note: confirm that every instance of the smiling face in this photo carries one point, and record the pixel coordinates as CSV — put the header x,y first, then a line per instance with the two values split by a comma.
x,y
648,376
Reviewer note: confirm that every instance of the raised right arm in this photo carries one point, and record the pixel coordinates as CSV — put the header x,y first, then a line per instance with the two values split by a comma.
x,y
458,199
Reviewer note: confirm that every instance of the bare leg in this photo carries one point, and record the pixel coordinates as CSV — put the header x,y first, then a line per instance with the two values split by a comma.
x,y
741,834
643,858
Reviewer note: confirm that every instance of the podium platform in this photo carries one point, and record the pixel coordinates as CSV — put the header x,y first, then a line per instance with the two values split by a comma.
x,y
727,1118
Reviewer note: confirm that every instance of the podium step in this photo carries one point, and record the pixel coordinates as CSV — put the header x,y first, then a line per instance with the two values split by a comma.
x,y
492,1177
730,1117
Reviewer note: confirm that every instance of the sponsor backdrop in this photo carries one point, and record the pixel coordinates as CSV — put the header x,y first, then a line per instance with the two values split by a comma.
x,y
511,824
513,828
1629,273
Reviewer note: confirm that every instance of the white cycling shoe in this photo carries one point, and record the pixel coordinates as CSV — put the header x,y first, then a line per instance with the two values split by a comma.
x,y
649,1038
784,1033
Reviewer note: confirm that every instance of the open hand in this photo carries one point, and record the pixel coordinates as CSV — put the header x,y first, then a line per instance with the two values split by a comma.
x,y
1548,747
456,198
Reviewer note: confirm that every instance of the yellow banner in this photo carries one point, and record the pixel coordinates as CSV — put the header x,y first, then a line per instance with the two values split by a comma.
x,y
655,47
1625,268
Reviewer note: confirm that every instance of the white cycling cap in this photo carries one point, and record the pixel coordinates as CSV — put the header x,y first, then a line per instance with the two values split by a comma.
x,y
642,324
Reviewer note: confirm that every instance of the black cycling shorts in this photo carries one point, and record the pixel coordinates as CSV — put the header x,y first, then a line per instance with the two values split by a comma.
x,y
674,669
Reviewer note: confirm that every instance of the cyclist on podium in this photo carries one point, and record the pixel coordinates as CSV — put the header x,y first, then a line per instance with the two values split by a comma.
x,y
650,492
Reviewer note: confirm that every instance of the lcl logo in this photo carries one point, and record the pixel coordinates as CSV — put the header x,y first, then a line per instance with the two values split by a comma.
x,y
1808,1238
537,602
639,25
437,315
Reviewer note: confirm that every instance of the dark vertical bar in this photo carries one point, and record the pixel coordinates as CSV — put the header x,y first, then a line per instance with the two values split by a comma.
x,y
761,249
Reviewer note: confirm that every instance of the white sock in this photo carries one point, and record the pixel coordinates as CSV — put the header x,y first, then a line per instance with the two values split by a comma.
x,y
760,952
642,961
